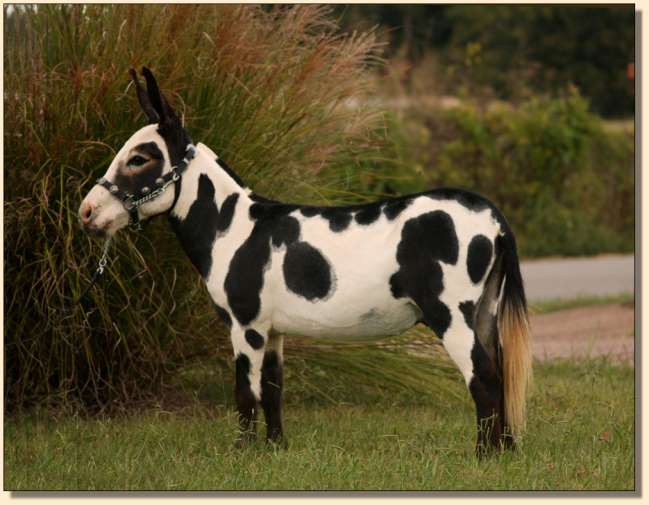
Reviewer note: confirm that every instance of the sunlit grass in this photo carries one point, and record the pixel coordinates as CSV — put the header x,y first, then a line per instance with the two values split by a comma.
x,y
580,437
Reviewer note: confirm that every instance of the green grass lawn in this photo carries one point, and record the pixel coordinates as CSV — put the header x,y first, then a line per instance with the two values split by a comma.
x,y
547,306
580,437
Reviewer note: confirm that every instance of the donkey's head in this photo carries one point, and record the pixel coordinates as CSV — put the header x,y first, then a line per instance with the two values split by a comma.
x,y
133,187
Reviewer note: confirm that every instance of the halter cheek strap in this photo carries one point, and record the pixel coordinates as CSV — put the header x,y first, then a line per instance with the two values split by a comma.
x,y
131,202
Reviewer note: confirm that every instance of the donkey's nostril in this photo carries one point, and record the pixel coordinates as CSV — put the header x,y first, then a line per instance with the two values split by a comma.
x,y
85,212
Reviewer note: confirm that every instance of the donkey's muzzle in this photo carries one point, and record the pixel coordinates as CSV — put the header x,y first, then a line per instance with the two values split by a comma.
x,y
86,217
86,213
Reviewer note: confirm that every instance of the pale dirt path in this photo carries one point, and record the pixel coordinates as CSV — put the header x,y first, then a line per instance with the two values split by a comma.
x,y
585,332
566,278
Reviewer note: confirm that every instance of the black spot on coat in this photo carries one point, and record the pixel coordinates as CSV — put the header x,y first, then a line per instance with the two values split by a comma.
x,y
198,230
245,278
267,211
395,207
426,240
478,257
286,231
306,271
310,211
227,212
469,200
368,214
338,217
468,308
255,340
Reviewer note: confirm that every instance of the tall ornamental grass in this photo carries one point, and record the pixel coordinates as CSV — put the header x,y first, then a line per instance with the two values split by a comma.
x,y
264,87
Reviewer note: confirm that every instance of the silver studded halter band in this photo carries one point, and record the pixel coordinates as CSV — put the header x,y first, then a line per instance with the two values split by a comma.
x,y
131,202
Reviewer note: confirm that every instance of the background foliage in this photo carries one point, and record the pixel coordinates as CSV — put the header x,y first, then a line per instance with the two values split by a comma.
x,y
512,51
563,180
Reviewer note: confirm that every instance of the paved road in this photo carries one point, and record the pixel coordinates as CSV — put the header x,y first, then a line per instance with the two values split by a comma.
x,y
549,279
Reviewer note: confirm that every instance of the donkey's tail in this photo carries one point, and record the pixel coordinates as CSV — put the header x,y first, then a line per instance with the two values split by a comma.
x,y
513,327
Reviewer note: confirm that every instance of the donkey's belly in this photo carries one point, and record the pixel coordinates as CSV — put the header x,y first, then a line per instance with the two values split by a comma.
x,y
324,321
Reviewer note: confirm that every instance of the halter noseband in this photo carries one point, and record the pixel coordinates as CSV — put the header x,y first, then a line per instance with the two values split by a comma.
x,y
131,202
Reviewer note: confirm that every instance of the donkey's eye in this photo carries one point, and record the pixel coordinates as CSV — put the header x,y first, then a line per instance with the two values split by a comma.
x,y
137,161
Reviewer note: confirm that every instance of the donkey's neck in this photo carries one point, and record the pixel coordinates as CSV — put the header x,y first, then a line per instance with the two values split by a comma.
x,y
207,180
211,200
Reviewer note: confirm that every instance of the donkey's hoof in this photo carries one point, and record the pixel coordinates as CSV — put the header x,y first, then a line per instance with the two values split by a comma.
x,y
278,443
483,451
245,440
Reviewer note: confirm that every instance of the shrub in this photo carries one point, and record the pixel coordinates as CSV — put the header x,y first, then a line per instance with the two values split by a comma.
x,y
263,87
563,181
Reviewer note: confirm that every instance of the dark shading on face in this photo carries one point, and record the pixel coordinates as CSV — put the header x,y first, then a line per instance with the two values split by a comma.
x,y
141,169
478,257
425,241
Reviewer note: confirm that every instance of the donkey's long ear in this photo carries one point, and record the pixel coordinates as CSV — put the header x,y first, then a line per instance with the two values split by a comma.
x,y
166,113
142,97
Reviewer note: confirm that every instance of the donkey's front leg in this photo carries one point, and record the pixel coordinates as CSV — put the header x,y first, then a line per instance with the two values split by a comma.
x,y
271,389
248,348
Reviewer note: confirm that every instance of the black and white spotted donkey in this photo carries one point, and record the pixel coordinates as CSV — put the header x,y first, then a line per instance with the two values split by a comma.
x,y
445,258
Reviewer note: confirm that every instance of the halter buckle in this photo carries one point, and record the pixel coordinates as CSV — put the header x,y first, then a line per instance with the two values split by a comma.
x,y
129,201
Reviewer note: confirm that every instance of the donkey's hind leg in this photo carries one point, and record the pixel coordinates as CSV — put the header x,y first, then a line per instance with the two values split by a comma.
x,y
480,374
248,348
271,389
486,386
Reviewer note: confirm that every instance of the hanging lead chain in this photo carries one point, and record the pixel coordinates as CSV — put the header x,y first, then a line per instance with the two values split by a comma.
x,y
103,261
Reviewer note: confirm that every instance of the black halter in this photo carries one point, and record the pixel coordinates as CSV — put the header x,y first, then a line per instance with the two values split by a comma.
x,y
131,202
